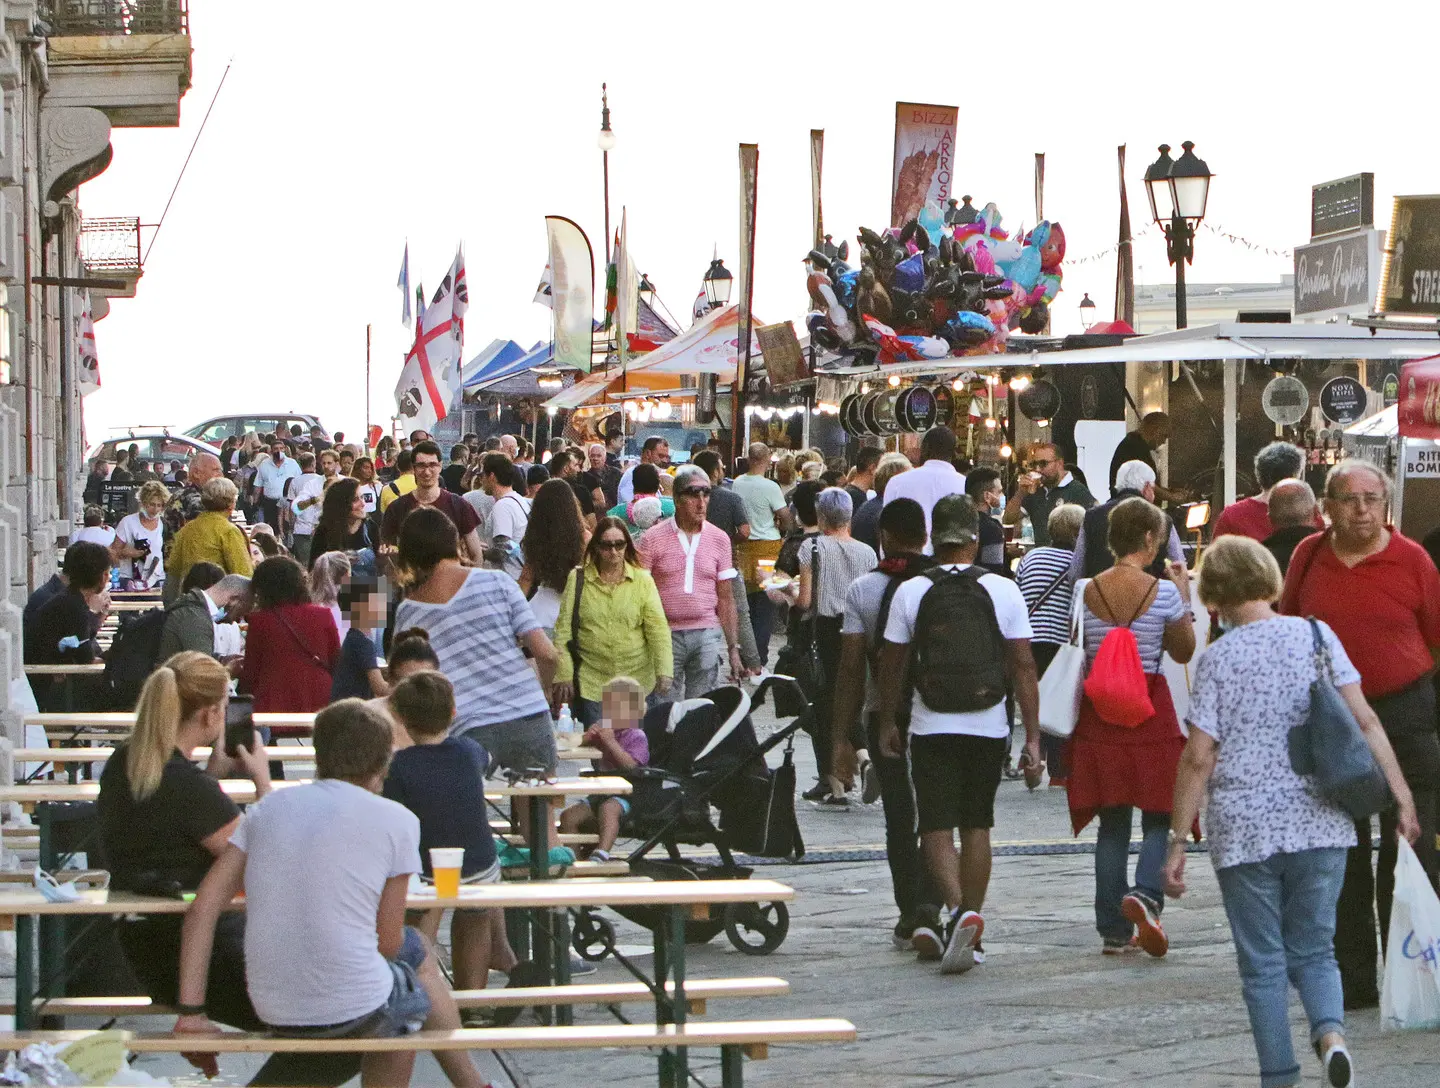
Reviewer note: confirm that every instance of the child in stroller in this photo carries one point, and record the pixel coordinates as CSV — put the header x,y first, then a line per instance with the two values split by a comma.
x,y
618,735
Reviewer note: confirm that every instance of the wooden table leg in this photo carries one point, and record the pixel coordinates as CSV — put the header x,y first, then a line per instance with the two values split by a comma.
x,y
24,972
674,1062
732,1067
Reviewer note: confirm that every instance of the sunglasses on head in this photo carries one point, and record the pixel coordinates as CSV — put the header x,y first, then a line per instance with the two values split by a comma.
x,y
695,492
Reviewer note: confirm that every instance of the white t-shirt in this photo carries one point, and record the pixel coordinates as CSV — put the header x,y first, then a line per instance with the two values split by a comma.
x,y
310,485
509,517
317,857
927,485
370,496
149,568
94,534
763,499
1014,620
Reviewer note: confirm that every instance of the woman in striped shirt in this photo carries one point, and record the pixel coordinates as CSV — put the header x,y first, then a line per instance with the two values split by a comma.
x,y
1044,579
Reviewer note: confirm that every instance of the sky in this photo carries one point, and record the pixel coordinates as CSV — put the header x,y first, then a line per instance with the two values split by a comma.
x,y
346,129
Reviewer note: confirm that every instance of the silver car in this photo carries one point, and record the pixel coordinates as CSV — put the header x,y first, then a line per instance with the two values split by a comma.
x,y
216,430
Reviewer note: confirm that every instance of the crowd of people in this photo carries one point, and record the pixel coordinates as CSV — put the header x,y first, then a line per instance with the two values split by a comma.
x,y
501,584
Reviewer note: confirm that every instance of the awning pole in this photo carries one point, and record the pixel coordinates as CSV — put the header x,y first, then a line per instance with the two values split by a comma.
x,y
1230,410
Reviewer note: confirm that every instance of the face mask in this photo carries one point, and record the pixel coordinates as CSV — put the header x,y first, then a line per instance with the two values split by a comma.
x,y
1224,624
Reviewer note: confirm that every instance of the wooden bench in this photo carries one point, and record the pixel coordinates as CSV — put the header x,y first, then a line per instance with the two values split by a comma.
x,y
697,993
735,1040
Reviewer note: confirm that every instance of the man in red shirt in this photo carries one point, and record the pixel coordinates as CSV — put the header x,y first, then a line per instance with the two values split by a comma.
x,y
1380,593
428,492
1251,517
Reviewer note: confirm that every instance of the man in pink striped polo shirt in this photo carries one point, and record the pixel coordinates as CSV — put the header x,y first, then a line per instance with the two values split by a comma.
x,y
691,562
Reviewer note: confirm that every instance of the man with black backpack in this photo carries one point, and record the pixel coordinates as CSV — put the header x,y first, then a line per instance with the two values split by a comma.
x,y
960,637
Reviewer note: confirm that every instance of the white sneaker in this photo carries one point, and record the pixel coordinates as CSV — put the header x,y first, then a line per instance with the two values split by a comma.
x,y
963,933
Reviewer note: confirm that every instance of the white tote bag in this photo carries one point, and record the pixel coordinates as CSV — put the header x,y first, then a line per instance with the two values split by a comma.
x,y
1410,994
1064,681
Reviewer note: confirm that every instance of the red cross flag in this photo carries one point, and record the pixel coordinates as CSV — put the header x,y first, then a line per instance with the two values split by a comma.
x,y
430,380
88,368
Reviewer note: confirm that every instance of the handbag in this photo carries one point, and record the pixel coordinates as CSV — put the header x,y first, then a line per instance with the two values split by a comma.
x,y
1330,746
800,659
1063,683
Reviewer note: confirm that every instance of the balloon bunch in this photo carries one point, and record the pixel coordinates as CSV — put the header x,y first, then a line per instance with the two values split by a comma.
x,y
932,288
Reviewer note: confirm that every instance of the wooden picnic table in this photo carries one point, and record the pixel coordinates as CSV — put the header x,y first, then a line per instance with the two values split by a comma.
x,y
95,668
37,952
121,604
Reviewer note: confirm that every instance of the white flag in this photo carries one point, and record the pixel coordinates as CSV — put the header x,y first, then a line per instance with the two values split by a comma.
x,y
430,380
404,284
87,361
544,293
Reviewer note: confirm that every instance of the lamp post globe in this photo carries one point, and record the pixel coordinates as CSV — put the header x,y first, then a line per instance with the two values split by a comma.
x,y
1178,192
1087,312
1190,184
1157,187
718,283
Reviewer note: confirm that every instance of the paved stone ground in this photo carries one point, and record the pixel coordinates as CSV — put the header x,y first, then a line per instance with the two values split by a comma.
x,y
1045,1010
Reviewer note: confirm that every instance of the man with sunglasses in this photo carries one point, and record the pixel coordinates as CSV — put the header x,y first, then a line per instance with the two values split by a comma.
x,y
427,464
1045,484
691,562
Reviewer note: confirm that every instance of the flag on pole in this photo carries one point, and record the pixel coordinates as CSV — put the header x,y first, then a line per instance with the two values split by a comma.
x,y
420,302
88,363
545,292
611,282
404,284
430,380
627,287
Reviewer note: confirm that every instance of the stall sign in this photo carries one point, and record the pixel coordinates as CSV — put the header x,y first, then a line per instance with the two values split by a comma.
x,y
1341,205
1411,273
1337,275
1343,400
924,164
1390,390
1285,400
1422,462
784,362
1419,409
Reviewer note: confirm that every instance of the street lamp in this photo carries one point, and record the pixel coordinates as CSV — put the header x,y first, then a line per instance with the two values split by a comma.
x,y
718,282
1087,312
606,142
1178,192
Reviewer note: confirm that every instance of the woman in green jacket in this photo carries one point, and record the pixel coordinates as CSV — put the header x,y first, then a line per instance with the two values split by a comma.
x,y
618,629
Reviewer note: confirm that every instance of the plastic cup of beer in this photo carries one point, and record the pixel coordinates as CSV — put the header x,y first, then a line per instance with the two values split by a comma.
x,y
765,568
445,863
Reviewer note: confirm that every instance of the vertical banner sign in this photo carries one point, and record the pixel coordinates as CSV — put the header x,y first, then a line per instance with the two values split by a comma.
x,y
749,180
1420,398
1124,258
1039,186
627,300
817,154
924,162
572,290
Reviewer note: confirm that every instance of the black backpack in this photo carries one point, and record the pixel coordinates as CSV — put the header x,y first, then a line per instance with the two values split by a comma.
x,y
133,657
958,664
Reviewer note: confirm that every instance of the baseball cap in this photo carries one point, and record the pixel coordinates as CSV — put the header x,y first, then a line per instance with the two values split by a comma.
x,y
954,521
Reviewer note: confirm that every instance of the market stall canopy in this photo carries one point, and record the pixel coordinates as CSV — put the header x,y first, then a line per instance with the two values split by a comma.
x,y
710,346
540,355
496,361
1243,341
1382,425
591,387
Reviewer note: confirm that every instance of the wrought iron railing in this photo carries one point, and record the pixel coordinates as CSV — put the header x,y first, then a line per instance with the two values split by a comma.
x,y
104,17
110,245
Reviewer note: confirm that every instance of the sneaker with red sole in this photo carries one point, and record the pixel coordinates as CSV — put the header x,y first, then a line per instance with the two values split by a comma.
x,y
962,935
1113,946
1150,935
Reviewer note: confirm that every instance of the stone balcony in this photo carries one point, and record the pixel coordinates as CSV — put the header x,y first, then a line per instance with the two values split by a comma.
x,y
130,59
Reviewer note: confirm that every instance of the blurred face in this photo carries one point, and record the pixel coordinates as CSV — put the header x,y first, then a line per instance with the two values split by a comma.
x,y
277,451
427,470
597,457
995,494
611,549
364,470
152,509
509,446
329,465
1048,462
357,508
622,709
1357,508
662,454
368,613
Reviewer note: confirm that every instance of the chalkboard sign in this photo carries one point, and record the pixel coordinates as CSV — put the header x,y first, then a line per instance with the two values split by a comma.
x,y
1343,204
1343,400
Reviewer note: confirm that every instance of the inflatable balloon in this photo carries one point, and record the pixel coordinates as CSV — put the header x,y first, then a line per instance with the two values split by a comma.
x,y
932,219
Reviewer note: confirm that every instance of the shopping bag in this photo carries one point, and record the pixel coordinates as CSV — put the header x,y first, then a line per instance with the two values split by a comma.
x,y
1063,682
1410,994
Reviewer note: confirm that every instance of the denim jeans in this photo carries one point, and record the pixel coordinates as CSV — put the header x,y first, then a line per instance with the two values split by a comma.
x,y
1282,915
762,622
1112,865
699,656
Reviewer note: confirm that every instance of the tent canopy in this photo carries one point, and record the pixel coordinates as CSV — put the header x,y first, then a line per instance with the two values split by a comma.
x,y
491,362
1242,341
540,355
710,346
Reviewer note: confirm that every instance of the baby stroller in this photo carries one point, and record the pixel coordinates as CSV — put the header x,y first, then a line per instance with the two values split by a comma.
x,y
704,753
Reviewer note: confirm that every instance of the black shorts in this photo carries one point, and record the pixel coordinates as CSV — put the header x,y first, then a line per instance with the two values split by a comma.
x,y
955,778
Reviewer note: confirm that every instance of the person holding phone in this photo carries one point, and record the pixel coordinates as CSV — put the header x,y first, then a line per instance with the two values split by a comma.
x,y
164,820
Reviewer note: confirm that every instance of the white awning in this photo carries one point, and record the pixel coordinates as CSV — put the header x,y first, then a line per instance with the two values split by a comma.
x,y
1239,341
583,391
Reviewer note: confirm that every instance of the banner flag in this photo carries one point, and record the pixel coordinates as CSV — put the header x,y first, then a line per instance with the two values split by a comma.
x,y
404,284
88,362
924,162
1420,401
543,293
430,379
627,287
817,155
1124,258
572,282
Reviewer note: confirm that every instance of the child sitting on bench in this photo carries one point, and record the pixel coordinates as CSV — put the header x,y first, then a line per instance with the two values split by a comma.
x,y
326,867
441,779
623,745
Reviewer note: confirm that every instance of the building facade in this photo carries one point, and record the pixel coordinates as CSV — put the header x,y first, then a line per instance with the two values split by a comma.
x,y
70,72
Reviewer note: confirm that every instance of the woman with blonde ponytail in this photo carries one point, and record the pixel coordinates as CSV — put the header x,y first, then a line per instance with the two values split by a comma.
x,y
164,820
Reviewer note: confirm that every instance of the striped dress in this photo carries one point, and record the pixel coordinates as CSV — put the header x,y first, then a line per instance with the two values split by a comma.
x,y
1037,572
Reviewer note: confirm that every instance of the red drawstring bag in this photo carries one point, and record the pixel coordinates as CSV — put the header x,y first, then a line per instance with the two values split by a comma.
x,y
1117,686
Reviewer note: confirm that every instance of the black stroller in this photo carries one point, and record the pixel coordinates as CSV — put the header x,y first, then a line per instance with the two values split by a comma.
x,y
704,753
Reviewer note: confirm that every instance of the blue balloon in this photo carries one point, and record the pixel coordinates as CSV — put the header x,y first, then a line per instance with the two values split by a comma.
x,y
910,274
845,289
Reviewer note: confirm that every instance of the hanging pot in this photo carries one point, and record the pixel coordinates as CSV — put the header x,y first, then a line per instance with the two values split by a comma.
x,y
944,406
915,409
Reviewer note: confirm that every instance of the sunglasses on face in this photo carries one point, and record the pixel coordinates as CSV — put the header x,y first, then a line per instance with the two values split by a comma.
x,y
421,466
1040,462
612,545
695,492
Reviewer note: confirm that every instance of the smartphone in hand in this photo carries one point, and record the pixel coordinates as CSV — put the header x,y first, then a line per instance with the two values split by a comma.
x,y
239,724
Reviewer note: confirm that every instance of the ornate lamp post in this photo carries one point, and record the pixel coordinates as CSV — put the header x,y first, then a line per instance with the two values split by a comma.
x,y
1178,191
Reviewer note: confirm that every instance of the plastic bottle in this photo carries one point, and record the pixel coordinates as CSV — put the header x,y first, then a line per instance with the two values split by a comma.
x,y
565,724
1027,530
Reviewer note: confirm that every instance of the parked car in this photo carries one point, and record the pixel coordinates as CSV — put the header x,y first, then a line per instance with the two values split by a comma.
x,y
161,446
216,430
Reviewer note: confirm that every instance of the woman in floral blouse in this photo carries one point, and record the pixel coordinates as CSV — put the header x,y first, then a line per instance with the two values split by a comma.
x,y
1278,847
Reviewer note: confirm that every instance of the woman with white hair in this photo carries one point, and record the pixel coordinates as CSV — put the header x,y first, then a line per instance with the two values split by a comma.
x,y
1132,479
829,562
139,546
